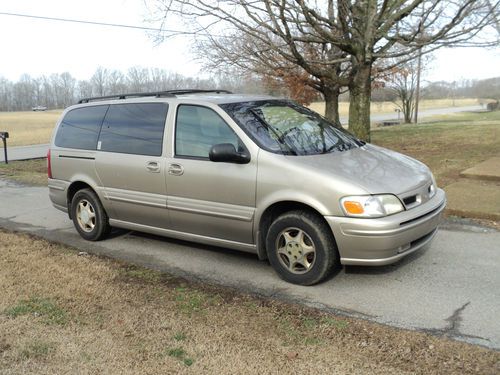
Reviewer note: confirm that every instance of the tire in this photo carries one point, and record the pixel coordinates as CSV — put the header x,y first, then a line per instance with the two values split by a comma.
x,y
89,217
301,248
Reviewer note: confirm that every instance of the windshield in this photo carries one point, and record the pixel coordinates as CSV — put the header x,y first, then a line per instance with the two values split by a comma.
x,y
283,127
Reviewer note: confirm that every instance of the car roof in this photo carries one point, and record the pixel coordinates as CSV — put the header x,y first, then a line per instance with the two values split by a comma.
x,y
206,96
226,98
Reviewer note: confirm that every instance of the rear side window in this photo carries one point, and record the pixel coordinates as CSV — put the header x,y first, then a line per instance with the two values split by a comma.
x,y
134,129
80,128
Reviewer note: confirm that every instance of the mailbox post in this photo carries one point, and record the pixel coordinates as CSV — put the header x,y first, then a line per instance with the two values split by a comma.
x,y
4,136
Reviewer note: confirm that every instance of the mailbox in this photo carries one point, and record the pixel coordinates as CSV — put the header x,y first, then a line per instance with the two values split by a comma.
x,y
3,137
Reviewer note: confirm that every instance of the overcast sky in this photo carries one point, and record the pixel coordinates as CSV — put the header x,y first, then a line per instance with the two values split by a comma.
x,y
41,47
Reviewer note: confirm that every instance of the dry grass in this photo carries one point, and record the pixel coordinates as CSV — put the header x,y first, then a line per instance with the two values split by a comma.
x,y
449,144
31,172
86,315
29,128
388,107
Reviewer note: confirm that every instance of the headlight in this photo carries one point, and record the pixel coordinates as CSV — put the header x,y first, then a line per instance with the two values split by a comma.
x,y
371,205
432,187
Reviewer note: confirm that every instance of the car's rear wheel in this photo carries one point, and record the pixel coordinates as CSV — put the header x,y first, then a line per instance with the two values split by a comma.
x,y
89,217
301,247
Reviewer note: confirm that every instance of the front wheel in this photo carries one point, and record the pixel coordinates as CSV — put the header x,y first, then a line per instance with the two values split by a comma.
x,y
89,217
301,248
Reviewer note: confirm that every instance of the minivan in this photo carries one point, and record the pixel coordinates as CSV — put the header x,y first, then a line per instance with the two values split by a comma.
x,y
252,173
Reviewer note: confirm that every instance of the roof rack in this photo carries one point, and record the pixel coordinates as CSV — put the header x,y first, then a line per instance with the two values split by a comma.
x,y
158,94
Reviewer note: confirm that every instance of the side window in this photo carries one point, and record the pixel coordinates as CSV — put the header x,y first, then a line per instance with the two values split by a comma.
x,y
200,128
134,129
80,128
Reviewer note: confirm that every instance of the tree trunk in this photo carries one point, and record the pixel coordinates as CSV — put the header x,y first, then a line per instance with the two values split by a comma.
x,y
332,104
359,102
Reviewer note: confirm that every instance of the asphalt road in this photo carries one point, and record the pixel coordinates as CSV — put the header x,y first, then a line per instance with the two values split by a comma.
x,y
25,152
40,151
450,289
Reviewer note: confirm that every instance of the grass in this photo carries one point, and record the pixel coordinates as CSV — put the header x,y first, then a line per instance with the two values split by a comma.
x,y
31,172
129,323
28,128
36,350
39,307
448,144
389,107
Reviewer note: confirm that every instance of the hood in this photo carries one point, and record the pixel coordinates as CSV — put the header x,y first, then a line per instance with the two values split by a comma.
x,y
372,168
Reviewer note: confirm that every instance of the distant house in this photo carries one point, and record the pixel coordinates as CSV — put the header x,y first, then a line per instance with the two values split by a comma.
x,y
39,108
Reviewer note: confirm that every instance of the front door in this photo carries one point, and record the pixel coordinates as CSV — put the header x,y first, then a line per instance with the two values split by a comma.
x,y
204,197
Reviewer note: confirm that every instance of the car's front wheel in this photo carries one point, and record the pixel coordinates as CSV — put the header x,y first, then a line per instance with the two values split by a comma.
x,y
89,217
301,248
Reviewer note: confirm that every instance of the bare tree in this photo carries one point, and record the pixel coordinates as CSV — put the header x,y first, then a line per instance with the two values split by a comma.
x,y
353,33
116,82
138,79
401,79
99,81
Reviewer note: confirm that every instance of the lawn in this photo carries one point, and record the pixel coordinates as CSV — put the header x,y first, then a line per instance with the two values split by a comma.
x,y
31,172
65,312
448,144
29,128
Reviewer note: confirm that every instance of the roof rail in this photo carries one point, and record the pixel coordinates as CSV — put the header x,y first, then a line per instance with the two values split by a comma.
x,y
158,94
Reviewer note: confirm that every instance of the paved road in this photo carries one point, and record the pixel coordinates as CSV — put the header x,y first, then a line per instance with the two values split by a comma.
x,y
421,114
25,152
450,289
40,151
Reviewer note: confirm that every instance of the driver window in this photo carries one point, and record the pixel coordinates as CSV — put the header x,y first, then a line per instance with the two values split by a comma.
x,y
198,129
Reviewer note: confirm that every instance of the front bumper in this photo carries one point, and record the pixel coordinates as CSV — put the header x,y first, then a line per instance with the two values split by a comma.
x,y
377,242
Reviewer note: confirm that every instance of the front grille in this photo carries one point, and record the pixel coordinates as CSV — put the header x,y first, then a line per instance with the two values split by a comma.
x,y
410,200
416,197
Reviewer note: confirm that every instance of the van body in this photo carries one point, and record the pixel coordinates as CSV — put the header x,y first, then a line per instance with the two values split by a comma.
x,y
251,173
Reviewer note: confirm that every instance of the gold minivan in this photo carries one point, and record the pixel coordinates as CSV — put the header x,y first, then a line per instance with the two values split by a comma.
x,y
251,173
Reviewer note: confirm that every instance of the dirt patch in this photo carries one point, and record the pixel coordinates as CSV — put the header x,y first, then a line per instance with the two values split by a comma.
x,y
117,318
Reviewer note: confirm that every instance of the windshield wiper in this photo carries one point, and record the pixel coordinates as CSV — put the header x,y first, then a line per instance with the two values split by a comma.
x,y
289,150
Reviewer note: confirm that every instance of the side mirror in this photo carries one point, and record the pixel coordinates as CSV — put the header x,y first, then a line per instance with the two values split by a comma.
x,y
226,153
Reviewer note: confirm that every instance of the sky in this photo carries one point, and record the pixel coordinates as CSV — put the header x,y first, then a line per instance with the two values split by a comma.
x,y
40,47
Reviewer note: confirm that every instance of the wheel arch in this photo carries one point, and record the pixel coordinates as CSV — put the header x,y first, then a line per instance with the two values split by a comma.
x,y
73,188
271,213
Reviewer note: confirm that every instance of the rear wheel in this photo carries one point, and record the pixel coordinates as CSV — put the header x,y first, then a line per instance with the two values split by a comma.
x,y
301,248
89,217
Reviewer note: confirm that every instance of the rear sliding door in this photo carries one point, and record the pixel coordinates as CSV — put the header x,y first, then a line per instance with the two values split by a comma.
x,y
130,165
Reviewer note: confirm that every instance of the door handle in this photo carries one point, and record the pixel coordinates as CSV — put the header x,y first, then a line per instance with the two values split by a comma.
x,y
153,166
175,169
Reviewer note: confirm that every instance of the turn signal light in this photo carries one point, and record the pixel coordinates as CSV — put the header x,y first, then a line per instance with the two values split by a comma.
x,y
353,207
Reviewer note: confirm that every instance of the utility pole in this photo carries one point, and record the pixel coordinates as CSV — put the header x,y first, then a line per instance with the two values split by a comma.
x,y
417,90
419,70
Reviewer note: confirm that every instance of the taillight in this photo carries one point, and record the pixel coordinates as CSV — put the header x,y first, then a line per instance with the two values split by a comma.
x,y
49,167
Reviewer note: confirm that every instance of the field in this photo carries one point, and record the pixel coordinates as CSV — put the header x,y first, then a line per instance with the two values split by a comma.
x,y
28,128
448,144
65,312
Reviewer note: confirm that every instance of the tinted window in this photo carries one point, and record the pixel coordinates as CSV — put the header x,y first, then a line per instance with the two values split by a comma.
x,y
80,128
200,128
134,129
